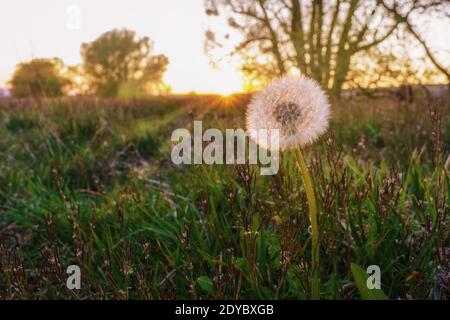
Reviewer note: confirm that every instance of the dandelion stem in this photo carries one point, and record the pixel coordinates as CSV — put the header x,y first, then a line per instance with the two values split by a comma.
x,y
315,285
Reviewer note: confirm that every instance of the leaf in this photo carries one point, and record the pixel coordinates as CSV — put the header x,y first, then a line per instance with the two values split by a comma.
x,y
353,166
243,265
361,277
205,283
262,247
371,238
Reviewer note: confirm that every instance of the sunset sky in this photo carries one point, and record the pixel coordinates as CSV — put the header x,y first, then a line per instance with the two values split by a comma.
x,y
40,29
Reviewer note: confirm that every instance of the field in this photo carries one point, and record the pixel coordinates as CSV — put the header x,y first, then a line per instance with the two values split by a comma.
x,y
90,182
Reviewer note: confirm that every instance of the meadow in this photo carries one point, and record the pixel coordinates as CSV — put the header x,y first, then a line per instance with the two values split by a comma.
x,y
90,182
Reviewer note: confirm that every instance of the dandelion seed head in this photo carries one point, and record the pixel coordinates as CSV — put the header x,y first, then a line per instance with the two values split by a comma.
x,y
298,108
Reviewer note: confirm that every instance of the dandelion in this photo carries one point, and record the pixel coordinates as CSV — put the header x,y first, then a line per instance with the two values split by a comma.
x,y
299,109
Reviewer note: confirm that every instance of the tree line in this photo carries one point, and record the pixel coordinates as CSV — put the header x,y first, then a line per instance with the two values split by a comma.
x,y
332,41
340,43
116,64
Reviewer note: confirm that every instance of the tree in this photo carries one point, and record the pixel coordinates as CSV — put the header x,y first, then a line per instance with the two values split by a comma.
x,y
118,59
375,68
397,12
38,78
317,38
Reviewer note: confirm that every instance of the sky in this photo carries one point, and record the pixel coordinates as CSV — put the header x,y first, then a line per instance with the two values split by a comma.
x,y
56,28
50,28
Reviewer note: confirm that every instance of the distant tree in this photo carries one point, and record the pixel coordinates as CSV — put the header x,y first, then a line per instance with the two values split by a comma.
x,y
317,38
78,85
118,60
38,78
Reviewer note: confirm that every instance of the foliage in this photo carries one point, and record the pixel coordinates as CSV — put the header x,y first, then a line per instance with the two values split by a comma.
x,y
38,78
90,182
118,59
360,276
320,39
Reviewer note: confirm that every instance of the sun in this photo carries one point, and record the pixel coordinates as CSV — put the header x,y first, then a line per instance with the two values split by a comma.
x,y
224,83
226,93
228,85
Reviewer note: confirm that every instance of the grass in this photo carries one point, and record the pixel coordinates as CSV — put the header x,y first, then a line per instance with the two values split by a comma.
x,y
90,182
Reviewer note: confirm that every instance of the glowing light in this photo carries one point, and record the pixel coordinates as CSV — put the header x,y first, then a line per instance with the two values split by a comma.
x,y
189,69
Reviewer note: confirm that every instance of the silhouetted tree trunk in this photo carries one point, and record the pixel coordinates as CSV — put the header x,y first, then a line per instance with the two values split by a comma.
x,y
319,38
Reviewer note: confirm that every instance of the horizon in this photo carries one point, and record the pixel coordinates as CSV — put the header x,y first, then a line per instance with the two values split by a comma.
x,y
25,37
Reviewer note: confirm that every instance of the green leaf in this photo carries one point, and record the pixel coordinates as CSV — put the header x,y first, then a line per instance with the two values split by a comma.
x,y
361,277
354,167
371,243
205,283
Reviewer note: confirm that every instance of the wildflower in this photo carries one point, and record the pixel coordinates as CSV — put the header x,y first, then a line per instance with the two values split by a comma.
x,y
297,107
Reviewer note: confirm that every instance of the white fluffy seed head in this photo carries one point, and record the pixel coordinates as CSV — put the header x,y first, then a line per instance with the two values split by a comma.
x,y
298,108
